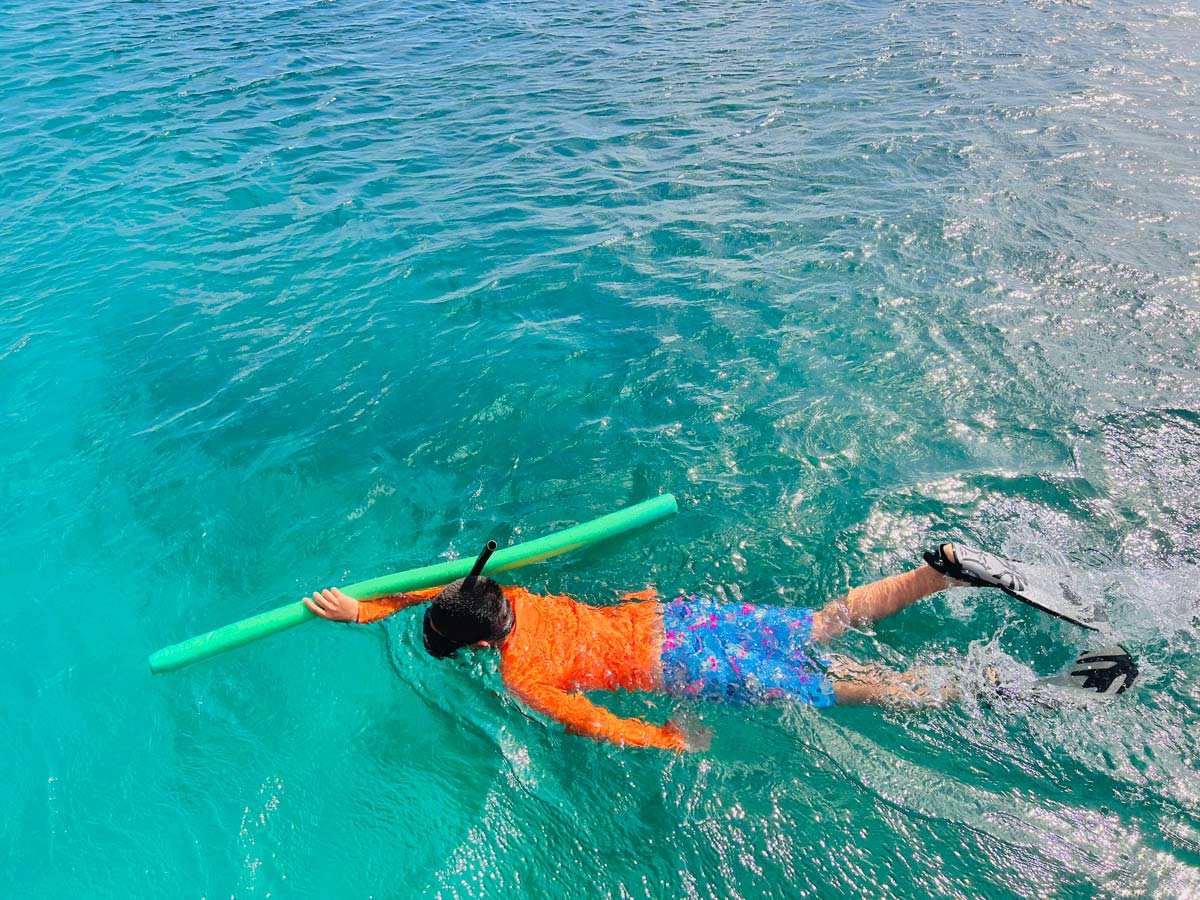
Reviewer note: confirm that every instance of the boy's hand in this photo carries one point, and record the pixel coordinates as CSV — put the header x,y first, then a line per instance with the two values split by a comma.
x,y
697,737
332,604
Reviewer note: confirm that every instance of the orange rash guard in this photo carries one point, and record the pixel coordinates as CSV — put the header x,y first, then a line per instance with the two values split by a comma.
x,y
559,648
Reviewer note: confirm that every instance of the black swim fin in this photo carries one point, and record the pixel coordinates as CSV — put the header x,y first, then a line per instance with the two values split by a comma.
x,y
1106,672
1095,675
1025,583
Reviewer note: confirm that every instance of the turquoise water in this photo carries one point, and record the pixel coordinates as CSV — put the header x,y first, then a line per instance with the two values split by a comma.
x,y
297,294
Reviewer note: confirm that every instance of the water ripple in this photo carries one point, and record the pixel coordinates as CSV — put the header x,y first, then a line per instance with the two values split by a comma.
x,y
300,292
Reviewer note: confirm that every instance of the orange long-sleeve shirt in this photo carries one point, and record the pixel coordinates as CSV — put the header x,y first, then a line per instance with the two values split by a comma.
x,y
559,648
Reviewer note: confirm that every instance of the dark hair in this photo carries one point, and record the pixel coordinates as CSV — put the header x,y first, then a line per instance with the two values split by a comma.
x,y
458,617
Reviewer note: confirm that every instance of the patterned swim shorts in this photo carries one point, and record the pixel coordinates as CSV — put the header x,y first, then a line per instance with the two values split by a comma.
x,y
742,654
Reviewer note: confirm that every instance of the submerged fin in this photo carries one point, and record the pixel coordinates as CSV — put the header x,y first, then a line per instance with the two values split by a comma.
x,y
1108,672
1095,675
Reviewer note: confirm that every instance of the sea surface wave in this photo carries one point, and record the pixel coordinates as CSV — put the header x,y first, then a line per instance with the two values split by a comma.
x,y
294,294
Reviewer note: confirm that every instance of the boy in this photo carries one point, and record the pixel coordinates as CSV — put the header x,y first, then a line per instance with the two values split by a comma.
x,y
553,648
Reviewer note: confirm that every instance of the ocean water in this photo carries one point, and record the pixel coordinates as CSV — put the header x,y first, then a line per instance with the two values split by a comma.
x,y
294,294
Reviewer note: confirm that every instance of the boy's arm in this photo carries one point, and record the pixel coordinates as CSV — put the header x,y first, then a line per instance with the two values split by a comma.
x,y
582,716
381,607
337,606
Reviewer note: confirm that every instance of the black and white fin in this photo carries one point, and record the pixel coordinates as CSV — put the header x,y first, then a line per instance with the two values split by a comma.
x,y
1026,583
1106,672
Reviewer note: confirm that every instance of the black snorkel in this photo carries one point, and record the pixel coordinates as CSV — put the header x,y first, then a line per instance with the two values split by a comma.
x,y
469,582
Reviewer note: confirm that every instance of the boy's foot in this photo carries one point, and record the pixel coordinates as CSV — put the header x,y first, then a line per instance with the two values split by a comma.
x,y
975,568
969,567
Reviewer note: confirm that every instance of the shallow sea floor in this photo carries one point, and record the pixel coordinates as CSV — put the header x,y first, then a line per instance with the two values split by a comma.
x,y
293,294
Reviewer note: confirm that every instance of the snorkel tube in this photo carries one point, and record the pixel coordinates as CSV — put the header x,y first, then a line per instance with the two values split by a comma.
x,y
273,621
469,582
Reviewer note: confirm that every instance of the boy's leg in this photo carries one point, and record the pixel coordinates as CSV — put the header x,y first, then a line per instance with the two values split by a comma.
x,y
859,685
878,600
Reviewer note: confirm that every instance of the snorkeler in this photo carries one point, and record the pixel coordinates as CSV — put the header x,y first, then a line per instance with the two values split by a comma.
x,y
553,648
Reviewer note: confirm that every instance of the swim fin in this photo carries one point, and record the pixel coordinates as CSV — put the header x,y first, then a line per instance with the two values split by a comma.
x,y
1107,672
1095,675
1027,583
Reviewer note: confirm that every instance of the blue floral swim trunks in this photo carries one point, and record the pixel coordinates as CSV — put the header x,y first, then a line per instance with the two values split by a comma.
x,y
742,654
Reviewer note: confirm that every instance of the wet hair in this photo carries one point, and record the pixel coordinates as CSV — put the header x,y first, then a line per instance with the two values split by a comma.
x,y
458,617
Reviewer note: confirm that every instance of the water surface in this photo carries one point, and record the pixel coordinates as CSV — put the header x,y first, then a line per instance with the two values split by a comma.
x,y
298,294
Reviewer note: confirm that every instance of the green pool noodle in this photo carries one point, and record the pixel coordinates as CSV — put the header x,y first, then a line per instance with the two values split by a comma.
x,y
273,621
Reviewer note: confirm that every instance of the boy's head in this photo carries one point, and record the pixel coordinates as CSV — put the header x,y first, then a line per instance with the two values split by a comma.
x,y
458,618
